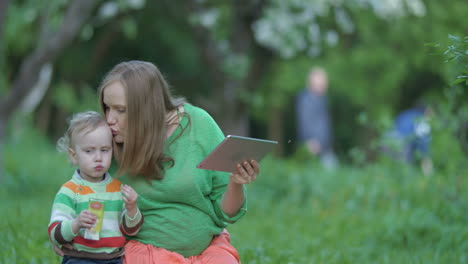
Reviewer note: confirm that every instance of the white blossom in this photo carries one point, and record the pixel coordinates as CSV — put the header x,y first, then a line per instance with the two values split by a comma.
x,y
290,26
331,38
108,10
136,4
209,17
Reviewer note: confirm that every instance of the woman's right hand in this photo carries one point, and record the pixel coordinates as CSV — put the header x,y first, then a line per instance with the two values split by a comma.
x,y
59,251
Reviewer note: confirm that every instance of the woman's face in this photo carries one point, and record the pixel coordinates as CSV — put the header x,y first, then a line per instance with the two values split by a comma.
x,y
115,107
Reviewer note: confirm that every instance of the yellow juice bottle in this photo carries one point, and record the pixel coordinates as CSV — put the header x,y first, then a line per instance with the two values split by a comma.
x,y
96,206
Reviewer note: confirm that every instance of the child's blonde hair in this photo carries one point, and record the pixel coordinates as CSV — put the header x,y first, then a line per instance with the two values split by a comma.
x,y
83,122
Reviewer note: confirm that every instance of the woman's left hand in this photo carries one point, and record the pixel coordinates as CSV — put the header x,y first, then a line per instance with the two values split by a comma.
x,y
246,172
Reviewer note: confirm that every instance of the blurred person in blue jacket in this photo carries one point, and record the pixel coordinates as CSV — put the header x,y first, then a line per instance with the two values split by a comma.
x,y
313,118
411,136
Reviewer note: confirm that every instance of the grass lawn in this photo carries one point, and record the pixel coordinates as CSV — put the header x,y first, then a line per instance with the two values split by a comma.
x,y
354,216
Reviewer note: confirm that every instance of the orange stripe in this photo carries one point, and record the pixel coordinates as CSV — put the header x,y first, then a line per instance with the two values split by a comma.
x,y
114,186
78,188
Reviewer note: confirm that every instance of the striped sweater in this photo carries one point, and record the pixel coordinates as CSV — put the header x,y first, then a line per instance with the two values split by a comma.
x,y
72,198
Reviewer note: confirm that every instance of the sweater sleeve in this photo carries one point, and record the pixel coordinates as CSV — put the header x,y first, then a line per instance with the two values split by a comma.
x,y
130,226
63,213
212,136
219,187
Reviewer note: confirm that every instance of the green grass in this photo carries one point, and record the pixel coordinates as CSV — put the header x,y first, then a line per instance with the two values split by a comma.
x,y
382,213
370,215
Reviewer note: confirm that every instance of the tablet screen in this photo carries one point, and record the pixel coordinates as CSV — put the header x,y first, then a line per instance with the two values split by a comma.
x,y
236,149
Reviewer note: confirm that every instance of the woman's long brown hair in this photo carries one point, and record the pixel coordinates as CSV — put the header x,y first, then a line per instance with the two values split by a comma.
x,y
149,100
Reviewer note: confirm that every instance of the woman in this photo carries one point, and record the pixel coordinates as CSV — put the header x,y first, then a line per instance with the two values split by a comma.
x,y
158,141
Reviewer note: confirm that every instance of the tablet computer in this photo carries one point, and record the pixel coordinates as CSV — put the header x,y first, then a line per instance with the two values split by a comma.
x,y
236,149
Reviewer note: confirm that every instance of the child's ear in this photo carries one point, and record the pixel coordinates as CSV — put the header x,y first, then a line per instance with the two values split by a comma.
x,y
72,155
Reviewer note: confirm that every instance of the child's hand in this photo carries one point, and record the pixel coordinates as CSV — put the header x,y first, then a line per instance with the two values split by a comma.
x,y
85,219
130,197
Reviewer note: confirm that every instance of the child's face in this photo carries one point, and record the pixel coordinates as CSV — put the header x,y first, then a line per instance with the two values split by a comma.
x,y
93,153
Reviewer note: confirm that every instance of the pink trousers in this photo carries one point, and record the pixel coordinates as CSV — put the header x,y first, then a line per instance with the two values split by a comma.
x,y
219,251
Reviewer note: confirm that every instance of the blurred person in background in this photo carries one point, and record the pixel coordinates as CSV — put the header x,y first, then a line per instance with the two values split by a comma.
x,y
410,137
313,118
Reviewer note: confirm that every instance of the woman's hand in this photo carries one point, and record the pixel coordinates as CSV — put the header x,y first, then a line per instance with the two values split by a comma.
x,y
246,172
59,251
234,196
130,197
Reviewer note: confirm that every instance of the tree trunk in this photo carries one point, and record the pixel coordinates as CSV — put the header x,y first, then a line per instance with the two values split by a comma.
x,y
225,104
76,14
38,91
233,118
2,144
3,11
43,115
275,128
28,74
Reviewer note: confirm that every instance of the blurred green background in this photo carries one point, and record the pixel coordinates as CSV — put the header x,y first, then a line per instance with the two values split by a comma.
x,y
244,62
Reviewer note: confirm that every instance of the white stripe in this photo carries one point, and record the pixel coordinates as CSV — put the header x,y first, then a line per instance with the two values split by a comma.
x,y
59,216
110,223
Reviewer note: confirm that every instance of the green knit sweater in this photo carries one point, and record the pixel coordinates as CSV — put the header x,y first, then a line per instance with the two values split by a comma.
x,y
182,211
72,198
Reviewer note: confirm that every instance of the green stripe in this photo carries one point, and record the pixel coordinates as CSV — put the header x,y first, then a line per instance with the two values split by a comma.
x,y
95,250
112,215
64,199
110,233
109,206
67,191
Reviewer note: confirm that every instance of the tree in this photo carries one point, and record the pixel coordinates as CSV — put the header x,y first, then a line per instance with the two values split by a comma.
x,y
373,50
52,46
3,8
243,45
232,56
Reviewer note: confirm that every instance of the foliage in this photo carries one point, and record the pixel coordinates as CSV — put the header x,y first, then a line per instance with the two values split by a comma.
x,y
30,23
375,61
380,68
449,114
292,27
374,52
451,132
458,53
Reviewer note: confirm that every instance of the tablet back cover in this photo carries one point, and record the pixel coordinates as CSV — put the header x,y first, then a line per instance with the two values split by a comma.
x,y
235,149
